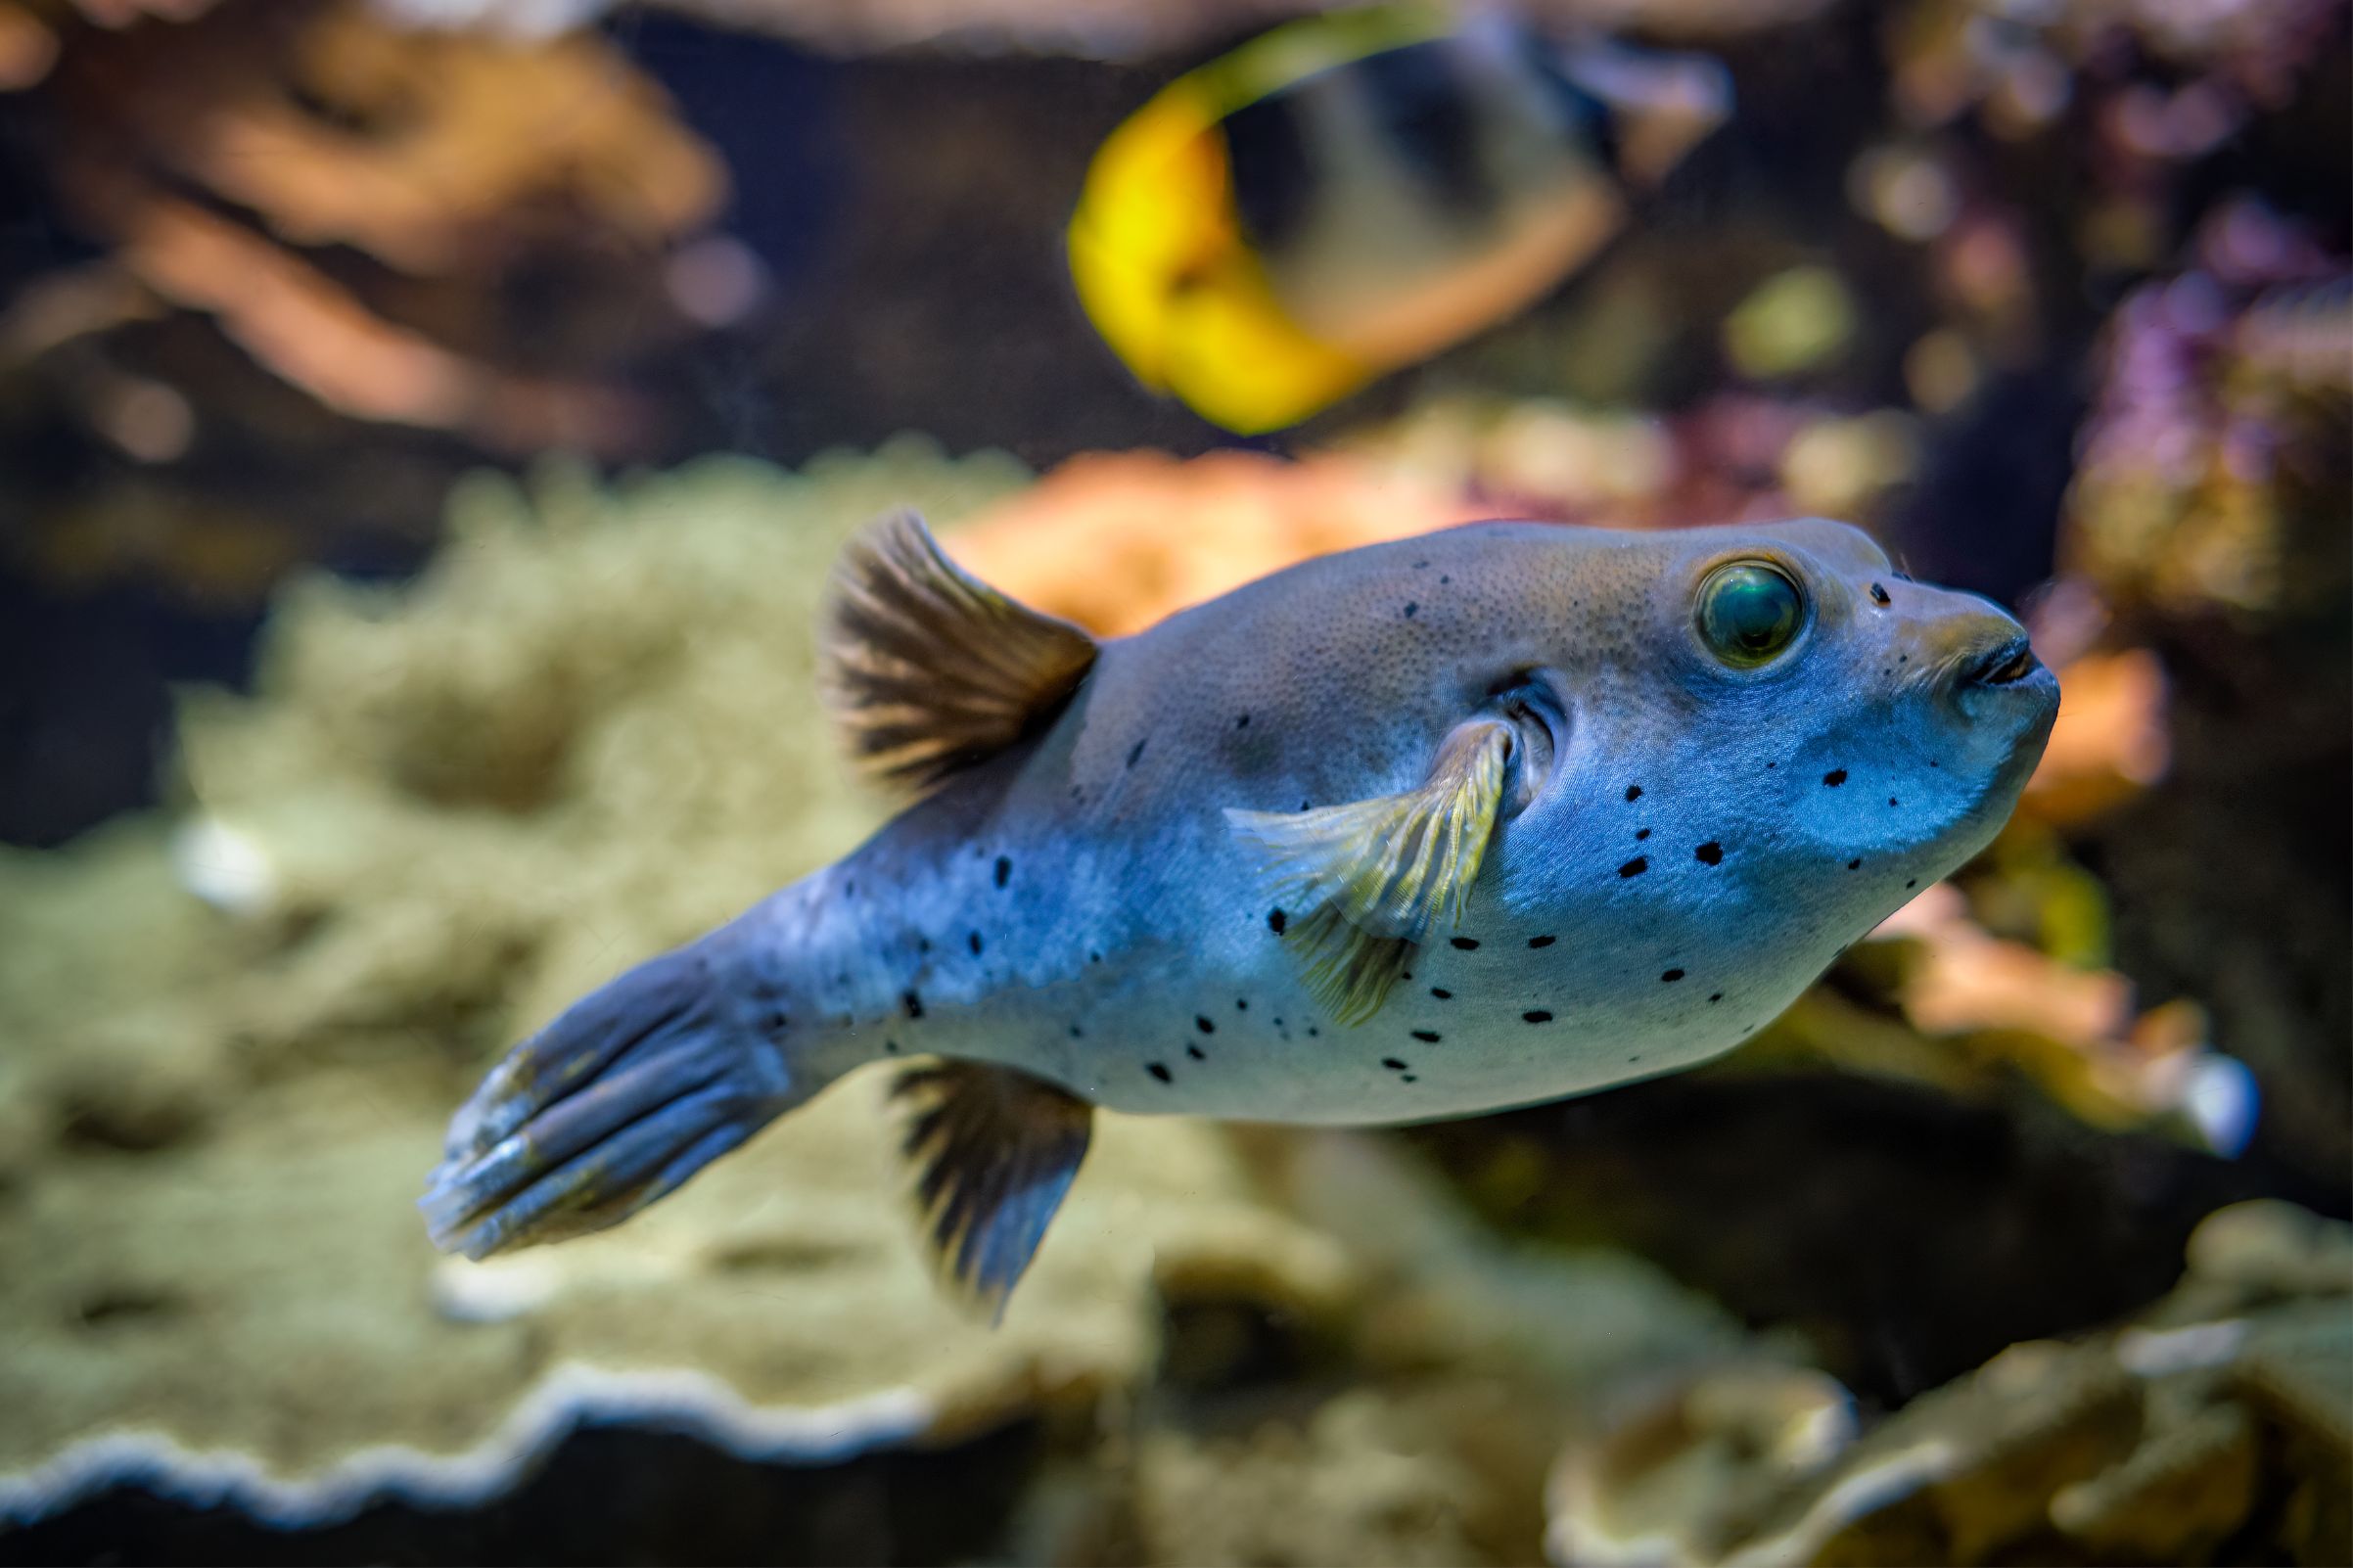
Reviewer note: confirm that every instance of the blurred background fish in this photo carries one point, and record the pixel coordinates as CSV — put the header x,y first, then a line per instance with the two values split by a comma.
x,y
1352,193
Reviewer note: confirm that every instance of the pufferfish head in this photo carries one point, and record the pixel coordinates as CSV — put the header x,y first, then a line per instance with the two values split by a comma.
x,y
1781,692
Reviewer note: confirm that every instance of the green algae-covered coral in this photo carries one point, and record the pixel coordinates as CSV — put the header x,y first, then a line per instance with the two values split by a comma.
x,y
589,730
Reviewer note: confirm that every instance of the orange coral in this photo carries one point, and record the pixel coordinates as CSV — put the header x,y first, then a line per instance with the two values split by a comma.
x,y
2110,741
2073,1031
436,162
1115,542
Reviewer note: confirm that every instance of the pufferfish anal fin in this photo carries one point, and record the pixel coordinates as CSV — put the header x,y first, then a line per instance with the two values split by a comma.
x,y
1368,880
992,1151
926,668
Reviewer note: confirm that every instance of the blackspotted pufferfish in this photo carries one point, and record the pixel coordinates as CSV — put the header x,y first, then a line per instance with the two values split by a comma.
x,y
1491,815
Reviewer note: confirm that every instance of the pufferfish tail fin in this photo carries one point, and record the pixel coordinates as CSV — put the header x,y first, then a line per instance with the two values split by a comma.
x,y
633,1089
991,1151
926,668
1370,878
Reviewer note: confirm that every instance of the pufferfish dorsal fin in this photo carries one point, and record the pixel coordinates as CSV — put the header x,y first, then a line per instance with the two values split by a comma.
x,y
1370,879
991,1151
926,668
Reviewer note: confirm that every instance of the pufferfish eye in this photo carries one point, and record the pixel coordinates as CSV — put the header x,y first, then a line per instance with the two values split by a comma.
x,y
1749,612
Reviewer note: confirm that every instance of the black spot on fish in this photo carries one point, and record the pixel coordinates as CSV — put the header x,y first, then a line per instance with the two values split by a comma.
x,y
1004,870
1274,177
1205,1026
913,1003
1914,883
1716,997
1275,921
974,943
1306,805
1634,868
1076,1033
1407,1078
1196,1053
1444,580
1878,594
1671,976
1429,1036
890,1046
1413,610
1537,1016
1709,853
923,944
1542,941
1421,566
1892,801
1393,1064
850,888
777,1021
1442,993
1242,722
1834,777
1855,865
1771,766
1313,1033
1159,1071
1095,957
1466,944
1135,754
1241,1004
1634,792
1640,834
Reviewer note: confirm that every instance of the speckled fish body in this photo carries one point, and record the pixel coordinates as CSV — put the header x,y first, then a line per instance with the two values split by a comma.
x,y
1673,846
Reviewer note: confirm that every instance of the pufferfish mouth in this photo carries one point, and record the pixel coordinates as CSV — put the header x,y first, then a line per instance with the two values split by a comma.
x,y
2009,664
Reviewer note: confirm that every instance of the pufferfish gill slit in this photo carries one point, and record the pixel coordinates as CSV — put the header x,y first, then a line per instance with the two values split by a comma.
x,y
1518,811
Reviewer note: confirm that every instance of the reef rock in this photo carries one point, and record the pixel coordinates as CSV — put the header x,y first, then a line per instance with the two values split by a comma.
x,y
2222,1416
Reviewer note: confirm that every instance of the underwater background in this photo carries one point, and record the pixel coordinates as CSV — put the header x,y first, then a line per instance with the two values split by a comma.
x,y
425,430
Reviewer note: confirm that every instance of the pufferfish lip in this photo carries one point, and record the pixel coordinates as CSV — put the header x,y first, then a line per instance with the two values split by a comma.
x,y
2007,665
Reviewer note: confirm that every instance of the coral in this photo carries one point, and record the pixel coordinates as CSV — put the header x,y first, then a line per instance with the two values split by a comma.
x,y
584,795
1363,1481
250,1321
1117,541
2214,464
448,807
1469,1360
302,236
1096,29
2154,1443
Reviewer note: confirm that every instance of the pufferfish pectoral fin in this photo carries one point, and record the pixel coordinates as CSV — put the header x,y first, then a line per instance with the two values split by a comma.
x,y
926,668
1371,878
992,1151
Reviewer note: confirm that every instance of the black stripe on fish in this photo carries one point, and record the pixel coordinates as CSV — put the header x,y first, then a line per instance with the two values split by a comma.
x,y
1424,113
1587,116
1274,176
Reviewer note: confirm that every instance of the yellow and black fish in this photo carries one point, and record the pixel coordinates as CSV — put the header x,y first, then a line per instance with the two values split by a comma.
x,y
1352,193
